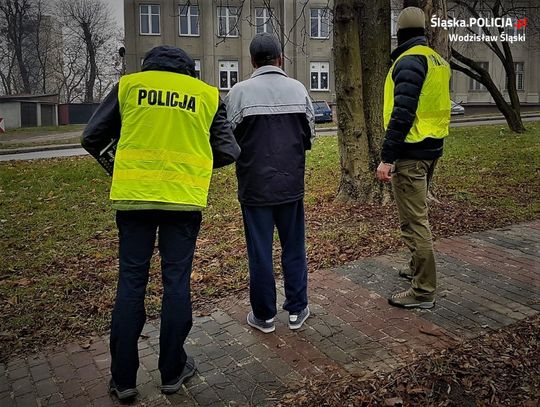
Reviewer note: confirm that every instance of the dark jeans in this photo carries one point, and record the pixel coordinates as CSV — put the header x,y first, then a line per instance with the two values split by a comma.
x,y
177,236
259,224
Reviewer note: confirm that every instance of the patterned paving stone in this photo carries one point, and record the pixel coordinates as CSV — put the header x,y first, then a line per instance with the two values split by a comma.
x,y
487,280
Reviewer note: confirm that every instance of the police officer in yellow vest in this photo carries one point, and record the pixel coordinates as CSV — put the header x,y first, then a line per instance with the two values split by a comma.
x,y
172,131
416,119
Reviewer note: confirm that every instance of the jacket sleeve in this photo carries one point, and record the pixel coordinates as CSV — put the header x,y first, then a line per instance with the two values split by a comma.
x,y
310,116
408,75
224,146
104,125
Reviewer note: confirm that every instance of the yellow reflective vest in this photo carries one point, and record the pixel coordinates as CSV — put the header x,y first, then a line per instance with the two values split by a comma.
x,y
164,155
433,111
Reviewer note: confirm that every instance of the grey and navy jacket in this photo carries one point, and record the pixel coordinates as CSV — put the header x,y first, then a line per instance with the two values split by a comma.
x,y
408,75
273,121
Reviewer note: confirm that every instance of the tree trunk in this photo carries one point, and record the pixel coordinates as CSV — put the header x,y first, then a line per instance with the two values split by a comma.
x,y
472,69
361,55
91,52
436,37
511,111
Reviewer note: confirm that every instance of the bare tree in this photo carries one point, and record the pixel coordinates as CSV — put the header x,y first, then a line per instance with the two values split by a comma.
x,y
511,110
7,62
72,71
460,61
16,17
89,20
362,59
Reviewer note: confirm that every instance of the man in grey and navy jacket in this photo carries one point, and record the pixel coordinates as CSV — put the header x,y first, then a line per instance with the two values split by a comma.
x,y
273,123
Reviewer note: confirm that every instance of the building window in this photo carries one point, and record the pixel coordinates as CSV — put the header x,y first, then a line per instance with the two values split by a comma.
x,y
319,75
228,74
263,20
520,76
393,22
149,19
188,24
198,68
320,23
475,85
228,21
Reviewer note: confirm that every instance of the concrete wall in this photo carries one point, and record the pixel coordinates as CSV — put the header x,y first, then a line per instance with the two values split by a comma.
x,y
11,112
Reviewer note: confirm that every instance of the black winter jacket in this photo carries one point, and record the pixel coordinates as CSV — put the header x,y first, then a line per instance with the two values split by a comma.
x,y
106,122
408,75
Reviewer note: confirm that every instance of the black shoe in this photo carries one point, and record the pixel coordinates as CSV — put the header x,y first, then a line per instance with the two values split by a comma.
x,y
122,394
176,384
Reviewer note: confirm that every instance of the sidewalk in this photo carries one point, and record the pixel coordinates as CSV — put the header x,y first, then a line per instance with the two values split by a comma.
x,y
35,143
487,280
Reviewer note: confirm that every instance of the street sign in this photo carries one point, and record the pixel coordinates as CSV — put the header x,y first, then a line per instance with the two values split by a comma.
x,y
2,126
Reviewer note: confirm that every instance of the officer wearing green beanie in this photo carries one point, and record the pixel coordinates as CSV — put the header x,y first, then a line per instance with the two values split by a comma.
x,y
416,120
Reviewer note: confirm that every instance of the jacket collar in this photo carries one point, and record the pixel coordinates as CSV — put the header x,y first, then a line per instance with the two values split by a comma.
x,y
263,70
421,40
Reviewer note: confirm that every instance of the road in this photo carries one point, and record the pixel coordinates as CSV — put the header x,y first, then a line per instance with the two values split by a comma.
x,y
481,122
80,151
43,154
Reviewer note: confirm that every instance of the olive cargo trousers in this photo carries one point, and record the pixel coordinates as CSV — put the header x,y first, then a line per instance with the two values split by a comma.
x,y
410,182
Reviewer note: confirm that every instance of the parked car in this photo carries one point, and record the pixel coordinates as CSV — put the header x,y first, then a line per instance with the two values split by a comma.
x,y
323,113
456,108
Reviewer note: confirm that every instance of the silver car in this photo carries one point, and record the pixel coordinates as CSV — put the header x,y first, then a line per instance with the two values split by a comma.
x,y
456,108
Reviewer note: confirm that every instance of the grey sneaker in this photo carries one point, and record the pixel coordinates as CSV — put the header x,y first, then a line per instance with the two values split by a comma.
x,y
407,299
262,325
176,384
122,394
297,320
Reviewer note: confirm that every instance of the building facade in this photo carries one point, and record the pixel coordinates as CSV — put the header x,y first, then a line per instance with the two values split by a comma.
x,y
217,34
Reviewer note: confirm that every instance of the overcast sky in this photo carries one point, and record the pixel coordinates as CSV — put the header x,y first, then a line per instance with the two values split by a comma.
x,y
117,7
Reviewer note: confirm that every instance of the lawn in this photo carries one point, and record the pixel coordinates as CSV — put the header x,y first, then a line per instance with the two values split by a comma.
x,y
58,239
34,131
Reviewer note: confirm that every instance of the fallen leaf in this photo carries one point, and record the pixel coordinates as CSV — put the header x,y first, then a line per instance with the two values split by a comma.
x,y
393,402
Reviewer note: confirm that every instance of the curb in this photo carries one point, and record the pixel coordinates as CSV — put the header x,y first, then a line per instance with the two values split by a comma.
x,y
21,150
35,149
473,119
463,120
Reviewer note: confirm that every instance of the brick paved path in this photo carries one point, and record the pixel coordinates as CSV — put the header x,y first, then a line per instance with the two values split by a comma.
x,y
487,280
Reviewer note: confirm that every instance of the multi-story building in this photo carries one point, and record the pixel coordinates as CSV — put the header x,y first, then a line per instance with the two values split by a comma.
x,y
217,33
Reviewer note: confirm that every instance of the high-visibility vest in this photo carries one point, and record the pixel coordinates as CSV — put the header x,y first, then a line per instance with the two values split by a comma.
x,y
433,111
164,153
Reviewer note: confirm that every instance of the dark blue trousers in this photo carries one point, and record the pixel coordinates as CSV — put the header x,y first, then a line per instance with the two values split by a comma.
x,y
259,224
177,237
